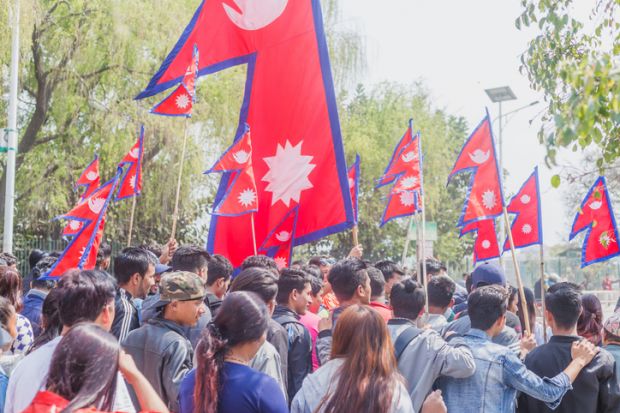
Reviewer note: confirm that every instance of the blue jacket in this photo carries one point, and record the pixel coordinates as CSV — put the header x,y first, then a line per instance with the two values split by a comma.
x,y
33,305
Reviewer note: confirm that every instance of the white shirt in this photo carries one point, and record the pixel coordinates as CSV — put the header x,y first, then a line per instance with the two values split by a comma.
x,y
30,376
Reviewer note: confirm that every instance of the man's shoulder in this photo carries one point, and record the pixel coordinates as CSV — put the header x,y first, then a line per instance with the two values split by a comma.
x,y
604,358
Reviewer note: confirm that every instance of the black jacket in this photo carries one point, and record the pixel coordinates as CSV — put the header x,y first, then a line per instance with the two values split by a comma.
x,y
299,348
213,302
596,389
125,315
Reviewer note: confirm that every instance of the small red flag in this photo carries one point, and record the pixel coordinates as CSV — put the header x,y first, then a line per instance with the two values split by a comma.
x,y
131,182
90,179
354,181
486,246
279,242
181,101
527,226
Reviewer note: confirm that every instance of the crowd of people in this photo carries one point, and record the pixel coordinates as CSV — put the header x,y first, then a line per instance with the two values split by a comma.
x,y
176,329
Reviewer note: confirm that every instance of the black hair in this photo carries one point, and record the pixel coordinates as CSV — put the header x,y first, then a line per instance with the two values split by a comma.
x,y
313,270
85,293
563,301
35,256
388,268
345,276
84,368
9,258
132,260
40,268
50,319
242,318
317,260
291,280
7,310
153,247
377,282
440,291
258,280
190,258
219,267
260,261
433,266
316,284
104,252
486,305
407,299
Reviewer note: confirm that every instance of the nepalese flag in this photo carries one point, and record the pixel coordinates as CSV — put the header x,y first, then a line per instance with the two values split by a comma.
x,y
406,158
90,179
181,101
354,182
485,197
279,242
486,246
240,197
400,204
289,101
82,249
527,226
596,217
131,164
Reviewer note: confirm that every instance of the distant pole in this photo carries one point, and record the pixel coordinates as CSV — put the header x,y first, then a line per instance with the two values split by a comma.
x,y
133,211
175,214
11,132
542,290
502,224
407,240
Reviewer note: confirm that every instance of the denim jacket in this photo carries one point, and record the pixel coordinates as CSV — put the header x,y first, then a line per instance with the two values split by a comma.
x,y
499,375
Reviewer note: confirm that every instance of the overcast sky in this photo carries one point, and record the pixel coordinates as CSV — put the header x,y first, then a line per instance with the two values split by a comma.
x,y
460,48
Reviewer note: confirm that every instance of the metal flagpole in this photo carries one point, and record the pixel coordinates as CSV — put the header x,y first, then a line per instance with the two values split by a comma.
x,y
11,134
253,233
133,211
175,214
423,242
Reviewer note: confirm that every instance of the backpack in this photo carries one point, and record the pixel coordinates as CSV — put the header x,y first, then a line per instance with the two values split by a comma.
x,y
403,340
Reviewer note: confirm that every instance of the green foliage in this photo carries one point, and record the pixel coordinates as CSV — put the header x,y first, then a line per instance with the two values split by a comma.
x,y
574,63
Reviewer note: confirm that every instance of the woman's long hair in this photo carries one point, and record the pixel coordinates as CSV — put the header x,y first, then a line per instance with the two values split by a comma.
x,y
50,320
590,323
531,309
84,368
242,318
11,286
369,375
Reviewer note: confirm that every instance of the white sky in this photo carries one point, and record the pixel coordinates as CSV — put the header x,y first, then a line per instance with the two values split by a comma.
x,y
460,48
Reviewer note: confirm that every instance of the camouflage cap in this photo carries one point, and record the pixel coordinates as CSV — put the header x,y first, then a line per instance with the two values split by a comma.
x,y
180,286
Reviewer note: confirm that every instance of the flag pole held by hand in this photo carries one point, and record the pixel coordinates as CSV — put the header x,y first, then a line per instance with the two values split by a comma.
x,y
354,233
175,214
131,217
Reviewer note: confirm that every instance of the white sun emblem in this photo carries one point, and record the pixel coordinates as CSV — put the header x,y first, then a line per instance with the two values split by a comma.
x,y
526,229
525,199
288,173
182,101
246,197
488,199
408,182
486,244
280,262
606,239
74,225
96,204
407,198
91,176
132,181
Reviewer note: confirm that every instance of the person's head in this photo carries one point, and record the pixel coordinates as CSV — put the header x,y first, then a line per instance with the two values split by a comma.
x,y
40,268
512,299
323,263
134,269
104,255
433,267
84,368
153,247
407,299
294,287
260,261
191,258
35,256
10,259
531,308
316,294
392,273
611,330
86,296
239,326
441,290
362,340
350,281
486,308
260,281
563,307
487,274
218,274
8,322
377,283
590,322
181,294
50,319
11,286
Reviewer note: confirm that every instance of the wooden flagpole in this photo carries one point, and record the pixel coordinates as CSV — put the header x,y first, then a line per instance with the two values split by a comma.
x,y
526,317
354,233
175,214
423,254
542,291
407,240
253,233
133,211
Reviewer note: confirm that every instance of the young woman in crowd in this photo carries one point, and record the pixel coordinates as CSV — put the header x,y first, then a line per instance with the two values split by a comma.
x,y
590,323
222,381
50,320
11,288
83,375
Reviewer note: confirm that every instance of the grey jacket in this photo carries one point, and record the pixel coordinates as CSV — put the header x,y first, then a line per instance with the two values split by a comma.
x,y
428,357
163,354
267,360
322,382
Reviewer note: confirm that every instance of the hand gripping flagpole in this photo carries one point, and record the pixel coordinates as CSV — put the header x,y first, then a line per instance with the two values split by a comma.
x,y
175,214
133,211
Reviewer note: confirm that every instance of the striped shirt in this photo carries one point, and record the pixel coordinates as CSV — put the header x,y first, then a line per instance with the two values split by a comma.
x,y
126,315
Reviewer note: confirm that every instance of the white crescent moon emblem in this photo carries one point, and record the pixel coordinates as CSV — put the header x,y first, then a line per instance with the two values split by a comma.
x,y
134,153
91,176
283,236
96,205
596,205
479,157
241,157
255,14
409,156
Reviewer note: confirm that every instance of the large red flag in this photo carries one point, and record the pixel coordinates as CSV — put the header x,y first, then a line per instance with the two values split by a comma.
x,y
131,182
82,249
240,197
354,183
486,246
90,179
402,159
527,226
181,101
485,198
596,217
297,155
279,242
